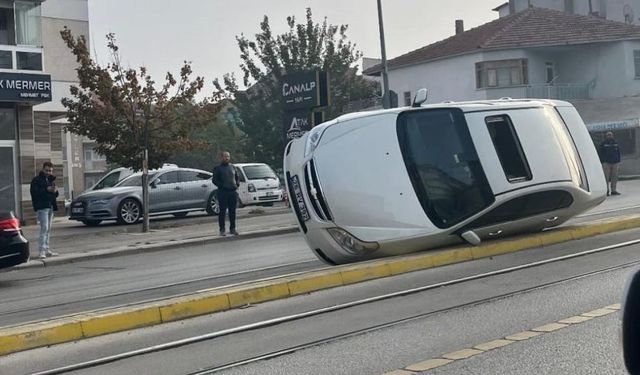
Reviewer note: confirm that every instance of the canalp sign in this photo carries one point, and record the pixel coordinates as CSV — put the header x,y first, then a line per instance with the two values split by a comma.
x,y
16,87
305,90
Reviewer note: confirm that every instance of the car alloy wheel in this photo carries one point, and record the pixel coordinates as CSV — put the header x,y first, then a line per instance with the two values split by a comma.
x,y
129,211
213,208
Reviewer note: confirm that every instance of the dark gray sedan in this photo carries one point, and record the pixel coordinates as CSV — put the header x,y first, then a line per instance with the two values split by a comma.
x,y
174,191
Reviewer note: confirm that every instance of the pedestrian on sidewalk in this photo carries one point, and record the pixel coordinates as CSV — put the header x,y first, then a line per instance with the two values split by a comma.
x,y
43,198
609,153
226,179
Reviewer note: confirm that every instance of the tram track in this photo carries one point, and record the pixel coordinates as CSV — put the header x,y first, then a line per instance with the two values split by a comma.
x,y
315,312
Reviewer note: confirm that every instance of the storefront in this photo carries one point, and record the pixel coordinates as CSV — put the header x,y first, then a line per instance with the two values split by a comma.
x,y
22,137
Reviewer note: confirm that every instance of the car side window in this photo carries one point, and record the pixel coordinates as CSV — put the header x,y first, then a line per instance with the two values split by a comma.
x,y
188,176
240,175
168,178
203,176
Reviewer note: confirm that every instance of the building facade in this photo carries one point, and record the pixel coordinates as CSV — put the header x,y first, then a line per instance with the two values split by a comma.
x,y
538,53
36,71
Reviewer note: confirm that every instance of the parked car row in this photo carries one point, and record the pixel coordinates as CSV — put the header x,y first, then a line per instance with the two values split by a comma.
x,y
172,190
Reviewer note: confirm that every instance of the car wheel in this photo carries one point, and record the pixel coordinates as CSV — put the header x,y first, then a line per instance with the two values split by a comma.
x,y
213,208
129,211
180,214
91,223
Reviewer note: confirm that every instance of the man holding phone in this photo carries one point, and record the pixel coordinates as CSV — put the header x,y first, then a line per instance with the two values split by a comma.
x,y
43,197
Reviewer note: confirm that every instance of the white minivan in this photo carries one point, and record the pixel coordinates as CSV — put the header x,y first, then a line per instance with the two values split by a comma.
x,y
259,184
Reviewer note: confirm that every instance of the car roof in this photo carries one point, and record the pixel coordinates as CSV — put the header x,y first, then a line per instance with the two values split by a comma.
x,y
249,164
466,106
164,170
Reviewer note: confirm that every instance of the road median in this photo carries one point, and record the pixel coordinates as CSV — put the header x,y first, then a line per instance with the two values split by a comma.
x,y
54,331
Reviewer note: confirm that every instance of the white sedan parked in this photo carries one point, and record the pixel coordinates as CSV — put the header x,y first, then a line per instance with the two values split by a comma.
x,y
396,181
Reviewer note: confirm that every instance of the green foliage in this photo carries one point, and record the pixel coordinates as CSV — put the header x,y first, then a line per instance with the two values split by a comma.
x,y
114,106
305,46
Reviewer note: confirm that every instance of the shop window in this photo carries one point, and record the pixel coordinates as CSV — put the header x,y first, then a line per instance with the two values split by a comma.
x,y
626,139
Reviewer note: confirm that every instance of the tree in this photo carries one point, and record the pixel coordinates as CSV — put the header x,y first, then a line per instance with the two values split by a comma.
x,y
121,109
266,59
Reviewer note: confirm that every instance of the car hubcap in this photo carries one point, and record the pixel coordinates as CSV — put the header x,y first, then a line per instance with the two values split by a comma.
x,y
130,212
214,205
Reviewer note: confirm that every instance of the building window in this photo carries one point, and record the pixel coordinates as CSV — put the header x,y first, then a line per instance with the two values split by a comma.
x,y
7,124
636,62
502,73
550,72
6,60
7,28
29,60
28,25
407,98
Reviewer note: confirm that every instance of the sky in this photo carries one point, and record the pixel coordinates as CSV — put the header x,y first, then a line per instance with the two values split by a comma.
x,y
161,34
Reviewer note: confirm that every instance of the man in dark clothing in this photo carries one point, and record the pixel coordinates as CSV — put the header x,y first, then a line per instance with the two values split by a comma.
x,y
43,198
226,179
609,153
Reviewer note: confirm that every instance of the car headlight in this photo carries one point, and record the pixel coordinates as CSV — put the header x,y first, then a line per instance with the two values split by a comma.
x,y
313,139
350,243
251,188
101,201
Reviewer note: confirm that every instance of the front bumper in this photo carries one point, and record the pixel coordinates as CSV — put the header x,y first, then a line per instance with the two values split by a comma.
x,y
86,210
14,250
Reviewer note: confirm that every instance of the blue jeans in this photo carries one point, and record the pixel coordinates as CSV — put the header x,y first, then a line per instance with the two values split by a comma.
x,y
45,217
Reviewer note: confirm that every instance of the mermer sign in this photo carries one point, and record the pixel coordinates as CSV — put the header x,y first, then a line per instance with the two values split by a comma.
x,y
25,87
17,84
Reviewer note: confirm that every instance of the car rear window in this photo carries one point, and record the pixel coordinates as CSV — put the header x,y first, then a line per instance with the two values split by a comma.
x,y
259,172
443,165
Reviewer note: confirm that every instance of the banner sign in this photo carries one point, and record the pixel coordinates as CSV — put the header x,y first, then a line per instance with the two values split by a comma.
x,y
614,125
17,87
305,90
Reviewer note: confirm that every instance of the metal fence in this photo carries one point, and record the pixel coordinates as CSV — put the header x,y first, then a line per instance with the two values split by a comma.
x,y
561,91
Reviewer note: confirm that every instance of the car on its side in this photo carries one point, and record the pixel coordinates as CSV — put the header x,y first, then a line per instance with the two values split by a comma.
x,y
175,191
259,184
14,248
390,182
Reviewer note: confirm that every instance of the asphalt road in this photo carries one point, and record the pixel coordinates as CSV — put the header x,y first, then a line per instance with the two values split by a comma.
x,y
457,316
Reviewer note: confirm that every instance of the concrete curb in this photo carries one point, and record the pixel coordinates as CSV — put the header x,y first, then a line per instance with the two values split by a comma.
x,y
146,248
55,331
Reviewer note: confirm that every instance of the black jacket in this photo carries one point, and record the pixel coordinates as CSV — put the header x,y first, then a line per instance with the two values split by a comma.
x,y
225,177
40,197
609,151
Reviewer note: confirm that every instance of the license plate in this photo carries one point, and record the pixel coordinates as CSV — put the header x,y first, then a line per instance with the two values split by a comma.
x,y
77,210
302,207
269,194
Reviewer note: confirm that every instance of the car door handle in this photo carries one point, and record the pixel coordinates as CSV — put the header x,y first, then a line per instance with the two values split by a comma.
x,y
204,186
496,233
551,219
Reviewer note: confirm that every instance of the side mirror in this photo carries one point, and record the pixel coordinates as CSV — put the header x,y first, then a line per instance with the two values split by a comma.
x,y
421,97
631,324
471,237
153,185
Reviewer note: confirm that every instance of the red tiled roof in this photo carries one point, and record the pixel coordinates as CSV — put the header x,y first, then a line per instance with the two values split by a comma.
x,y
534,27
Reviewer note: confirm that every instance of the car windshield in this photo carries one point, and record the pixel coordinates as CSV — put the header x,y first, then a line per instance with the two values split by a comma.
x,y
134,180
108,181
259,172
443,165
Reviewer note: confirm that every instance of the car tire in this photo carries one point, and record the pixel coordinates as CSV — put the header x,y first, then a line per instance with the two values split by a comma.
x,y
213,208
91,223
180,214
129,211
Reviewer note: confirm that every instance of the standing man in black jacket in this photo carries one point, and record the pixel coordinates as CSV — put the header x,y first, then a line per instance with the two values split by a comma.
x,y
609,153
226,179
43,197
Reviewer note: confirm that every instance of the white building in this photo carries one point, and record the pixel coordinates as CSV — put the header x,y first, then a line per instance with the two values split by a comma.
x,y
539,53
627,11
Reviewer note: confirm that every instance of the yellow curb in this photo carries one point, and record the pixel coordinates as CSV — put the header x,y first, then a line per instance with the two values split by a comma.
x,y
523,335
505,246
462,354
410,264
599,312
313,282
399,372
550,327
615,306
119,320
368,271
493,344
575,319
555,236
260,292
39,334
186,307
428,364
442,258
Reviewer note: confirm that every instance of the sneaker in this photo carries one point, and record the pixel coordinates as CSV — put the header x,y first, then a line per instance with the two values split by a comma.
x,y
615,193
234,232
51,254
222,234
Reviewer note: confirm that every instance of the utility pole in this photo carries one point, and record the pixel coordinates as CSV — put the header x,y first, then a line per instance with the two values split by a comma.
x,y
386,99
145,176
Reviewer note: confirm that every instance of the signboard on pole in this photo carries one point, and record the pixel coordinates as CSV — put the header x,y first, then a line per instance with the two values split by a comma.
x,y
302,92
296,123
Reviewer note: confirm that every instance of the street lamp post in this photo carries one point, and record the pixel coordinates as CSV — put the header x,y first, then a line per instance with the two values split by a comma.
x,y
386,99
145,172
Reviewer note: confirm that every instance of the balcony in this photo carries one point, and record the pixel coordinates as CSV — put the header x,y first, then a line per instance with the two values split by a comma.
x,y
560,91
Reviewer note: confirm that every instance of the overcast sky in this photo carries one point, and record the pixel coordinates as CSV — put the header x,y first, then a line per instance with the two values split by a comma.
x,y
160,34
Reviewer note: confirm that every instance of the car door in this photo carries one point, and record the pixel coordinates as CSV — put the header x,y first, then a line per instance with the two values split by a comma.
x,y
195,187
243,193
164,192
